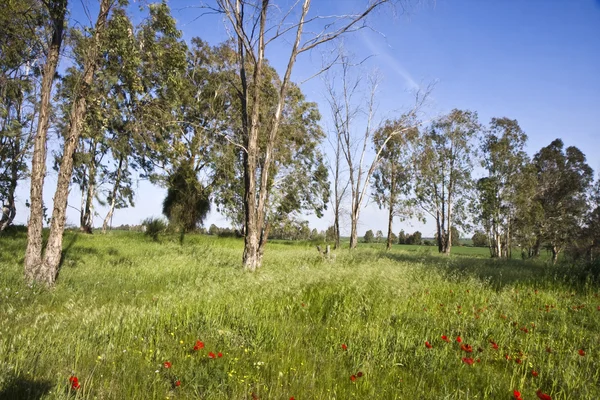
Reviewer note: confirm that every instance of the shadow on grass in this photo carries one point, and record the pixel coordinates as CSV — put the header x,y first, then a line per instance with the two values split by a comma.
x,y
501,273
21,388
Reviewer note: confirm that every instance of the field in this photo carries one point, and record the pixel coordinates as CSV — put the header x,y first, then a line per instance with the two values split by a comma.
x,y
136,319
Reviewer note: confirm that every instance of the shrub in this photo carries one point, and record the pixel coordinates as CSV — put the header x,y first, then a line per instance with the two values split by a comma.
x,y
154,227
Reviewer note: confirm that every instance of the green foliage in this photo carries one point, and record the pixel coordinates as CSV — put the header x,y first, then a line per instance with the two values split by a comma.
x,y
369,236
125,305
187,203
480,239
154,227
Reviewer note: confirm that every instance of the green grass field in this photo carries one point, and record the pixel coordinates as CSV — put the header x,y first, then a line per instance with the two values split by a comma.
x,y
124,306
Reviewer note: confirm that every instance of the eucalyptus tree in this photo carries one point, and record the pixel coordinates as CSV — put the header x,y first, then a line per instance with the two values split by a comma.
x,y
563,181
505,162
255,27
47,271
392,177
20,48
443,163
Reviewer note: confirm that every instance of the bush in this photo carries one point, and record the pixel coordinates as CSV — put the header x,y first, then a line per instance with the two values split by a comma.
x,y
369,236
154,227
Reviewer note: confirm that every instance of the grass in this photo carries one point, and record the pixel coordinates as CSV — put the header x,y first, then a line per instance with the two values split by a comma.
x,y
124,305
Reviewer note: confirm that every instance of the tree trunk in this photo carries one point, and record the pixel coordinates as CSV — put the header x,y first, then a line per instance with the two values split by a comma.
x,y
353,231
9,210
87,211
34,270
390,220
113,197
53,254
336,228
555,251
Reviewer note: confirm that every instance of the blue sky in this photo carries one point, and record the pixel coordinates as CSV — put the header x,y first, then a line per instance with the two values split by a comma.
x,y
535,61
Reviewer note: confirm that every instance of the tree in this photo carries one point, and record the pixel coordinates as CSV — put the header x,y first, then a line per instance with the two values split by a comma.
x,y
480,239
455,236
369,236
47,271
391,179
54,23
505,162
378,236
444,161
19,49
248,20
563,178
402,237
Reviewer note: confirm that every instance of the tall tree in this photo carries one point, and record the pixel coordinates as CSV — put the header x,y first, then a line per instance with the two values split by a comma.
x,y
563,178
47,271
56,11
505,161
250,20
443,163
392,178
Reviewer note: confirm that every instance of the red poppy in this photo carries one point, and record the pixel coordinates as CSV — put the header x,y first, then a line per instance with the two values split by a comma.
x,y
220,355
468,360
543,395
445,338
292,398
581,352
177,383
494,345
466,347
167,364
74,382
534,372
353,378
507,356
428,345
517,395
524,329
518,361
211,355
459,339
344,347
199,345
359,374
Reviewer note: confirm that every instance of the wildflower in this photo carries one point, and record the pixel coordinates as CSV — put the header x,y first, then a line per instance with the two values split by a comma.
x,y
494,345
468,360
220,355
199,345
581,352
428,345
74,382
177,383
543,395
459,339
507,356
466,347
353,378
524,329
359,374
517,395
518,361
292,398
445,338
344,347
167,364
534,372
211,355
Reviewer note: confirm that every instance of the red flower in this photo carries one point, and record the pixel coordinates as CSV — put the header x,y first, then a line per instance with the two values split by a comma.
x,y
359,374
543,395
518,361
428,345
534,372
199,345
177,383
507,356
167,364
524,329
292,398
211,355
220,355
353,378
517,395
581,352
74,382
494,345
344,347
459,339
468,360
445,338
466,347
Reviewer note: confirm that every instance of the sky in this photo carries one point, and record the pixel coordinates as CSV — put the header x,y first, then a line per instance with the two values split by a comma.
x,y
536,61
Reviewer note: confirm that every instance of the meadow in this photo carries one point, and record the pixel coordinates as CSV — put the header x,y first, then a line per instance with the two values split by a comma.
x,y
131,318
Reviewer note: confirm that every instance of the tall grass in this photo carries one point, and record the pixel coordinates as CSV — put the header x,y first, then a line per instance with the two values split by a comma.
x,y
124,305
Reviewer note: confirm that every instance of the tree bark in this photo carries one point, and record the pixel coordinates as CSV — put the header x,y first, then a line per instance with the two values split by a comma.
x,y
87,211
113,197
53,254
34,270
